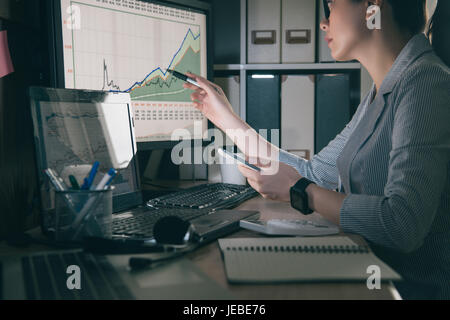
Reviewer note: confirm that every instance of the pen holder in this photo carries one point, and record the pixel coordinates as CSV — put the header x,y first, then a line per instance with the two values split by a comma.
x,y
83,213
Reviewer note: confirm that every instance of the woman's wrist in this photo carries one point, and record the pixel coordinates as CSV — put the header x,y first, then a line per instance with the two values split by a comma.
x,y
231,121
310,192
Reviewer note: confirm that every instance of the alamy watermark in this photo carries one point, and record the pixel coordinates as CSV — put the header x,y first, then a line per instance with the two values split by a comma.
x,y
256,147
374,280
74,280
73,20
373,17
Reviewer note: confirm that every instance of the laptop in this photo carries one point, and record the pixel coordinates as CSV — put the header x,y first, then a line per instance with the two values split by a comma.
x,y
75,275
75,128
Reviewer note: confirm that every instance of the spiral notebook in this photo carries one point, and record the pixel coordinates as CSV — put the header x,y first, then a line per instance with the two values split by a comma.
x,y
269,260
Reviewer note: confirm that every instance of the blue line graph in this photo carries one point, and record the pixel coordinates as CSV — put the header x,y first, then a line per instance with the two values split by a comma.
x,y
159,68
76,117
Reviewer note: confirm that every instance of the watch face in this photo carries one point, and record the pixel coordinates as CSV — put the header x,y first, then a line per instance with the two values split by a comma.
x,y
297,201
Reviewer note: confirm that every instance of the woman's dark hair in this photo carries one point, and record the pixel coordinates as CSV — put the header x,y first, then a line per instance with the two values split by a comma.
x,y
439,30
411,16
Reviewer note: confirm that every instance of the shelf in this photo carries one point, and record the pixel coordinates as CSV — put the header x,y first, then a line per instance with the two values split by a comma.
x,y
296,66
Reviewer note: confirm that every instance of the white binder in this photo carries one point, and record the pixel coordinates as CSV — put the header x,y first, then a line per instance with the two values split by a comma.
x,y
298,31
263,38
297,113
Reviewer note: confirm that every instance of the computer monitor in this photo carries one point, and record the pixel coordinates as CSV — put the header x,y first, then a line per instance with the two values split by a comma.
x,y
127,46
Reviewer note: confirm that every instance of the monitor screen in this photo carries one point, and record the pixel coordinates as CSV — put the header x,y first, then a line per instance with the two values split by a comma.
x,y
127,46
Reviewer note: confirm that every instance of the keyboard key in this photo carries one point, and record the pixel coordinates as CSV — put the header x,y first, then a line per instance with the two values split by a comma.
x,y
46,289
59,271
98,282
1,283
86,291
121,291
28,279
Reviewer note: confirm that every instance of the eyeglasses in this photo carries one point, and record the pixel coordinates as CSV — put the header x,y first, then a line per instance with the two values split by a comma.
x,y
326,8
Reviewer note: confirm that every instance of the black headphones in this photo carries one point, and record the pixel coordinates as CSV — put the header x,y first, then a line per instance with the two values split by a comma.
x,y
172,235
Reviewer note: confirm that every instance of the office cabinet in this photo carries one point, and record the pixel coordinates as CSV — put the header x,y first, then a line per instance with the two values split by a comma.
x,y
264,23
227,31
298,31
230,86
333,107
297,114
263,105
308,114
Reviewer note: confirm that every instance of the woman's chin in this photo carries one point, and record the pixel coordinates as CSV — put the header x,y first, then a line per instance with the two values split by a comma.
x,y
340,57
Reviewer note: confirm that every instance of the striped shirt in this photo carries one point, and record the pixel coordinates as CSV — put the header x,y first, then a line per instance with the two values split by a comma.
x,y
393,163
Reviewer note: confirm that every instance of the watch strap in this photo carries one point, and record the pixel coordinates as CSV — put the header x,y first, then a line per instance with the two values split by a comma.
x,y
300,189
302,184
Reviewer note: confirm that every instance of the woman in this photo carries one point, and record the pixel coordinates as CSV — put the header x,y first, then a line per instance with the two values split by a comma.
x,y
391,163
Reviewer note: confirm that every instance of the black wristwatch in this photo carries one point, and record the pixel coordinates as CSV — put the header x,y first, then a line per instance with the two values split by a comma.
x,y
299,197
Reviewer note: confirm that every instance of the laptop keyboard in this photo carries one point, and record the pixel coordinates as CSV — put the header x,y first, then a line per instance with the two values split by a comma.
x,y
140,225
45,278
1,279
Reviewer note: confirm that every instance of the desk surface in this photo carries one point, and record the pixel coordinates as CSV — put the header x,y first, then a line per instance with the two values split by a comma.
x,y
208,259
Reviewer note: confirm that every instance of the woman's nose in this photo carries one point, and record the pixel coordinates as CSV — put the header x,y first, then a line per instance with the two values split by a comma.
x,y
324,25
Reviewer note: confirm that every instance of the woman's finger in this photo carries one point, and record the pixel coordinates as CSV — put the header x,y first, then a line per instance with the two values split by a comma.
x,y
197,96
201,92
249,173
198,106
204,83
188,85
253,184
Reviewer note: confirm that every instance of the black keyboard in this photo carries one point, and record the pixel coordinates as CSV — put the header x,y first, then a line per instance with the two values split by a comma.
x,y
207,196
46,279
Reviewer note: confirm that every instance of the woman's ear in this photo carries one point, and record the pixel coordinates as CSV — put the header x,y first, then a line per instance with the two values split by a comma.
x,y
379,3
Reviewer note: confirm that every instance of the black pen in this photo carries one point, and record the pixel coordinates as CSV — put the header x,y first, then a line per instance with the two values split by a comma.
x,y
183,77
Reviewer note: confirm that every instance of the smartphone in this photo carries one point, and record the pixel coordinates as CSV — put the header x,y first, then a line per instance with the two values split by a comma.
x,y
234,156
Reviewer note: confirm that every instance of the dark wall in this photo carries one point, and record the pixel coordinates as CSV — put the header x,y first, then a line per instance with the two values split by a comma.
x,y
227,31
27,37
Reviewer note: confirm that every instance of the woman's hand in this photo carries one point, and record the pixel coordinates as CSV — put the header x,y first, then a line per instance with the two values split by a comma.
x,y
211,101
275,183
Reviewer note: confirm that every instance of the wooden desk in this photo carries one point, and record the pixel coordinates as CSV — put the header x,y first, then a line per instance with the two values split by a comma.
x,y
209,260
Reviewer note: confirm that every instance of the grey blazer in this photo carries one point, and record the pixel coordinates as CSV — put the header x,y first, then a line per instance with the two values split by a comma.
x,y
393,163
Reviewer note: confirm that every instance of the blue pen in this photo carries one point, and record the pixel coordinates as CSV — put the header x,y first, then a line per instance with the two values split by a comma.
x,y
106,181
90,179
81,218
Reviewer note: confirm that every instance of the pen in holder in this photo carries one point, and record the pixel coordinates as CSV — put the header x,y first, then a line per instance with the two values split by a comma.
x,y
91,214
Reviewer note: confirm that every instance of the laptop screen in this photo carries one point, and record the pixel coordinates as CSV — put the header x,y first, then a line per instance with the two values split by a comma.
x,y
75,128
